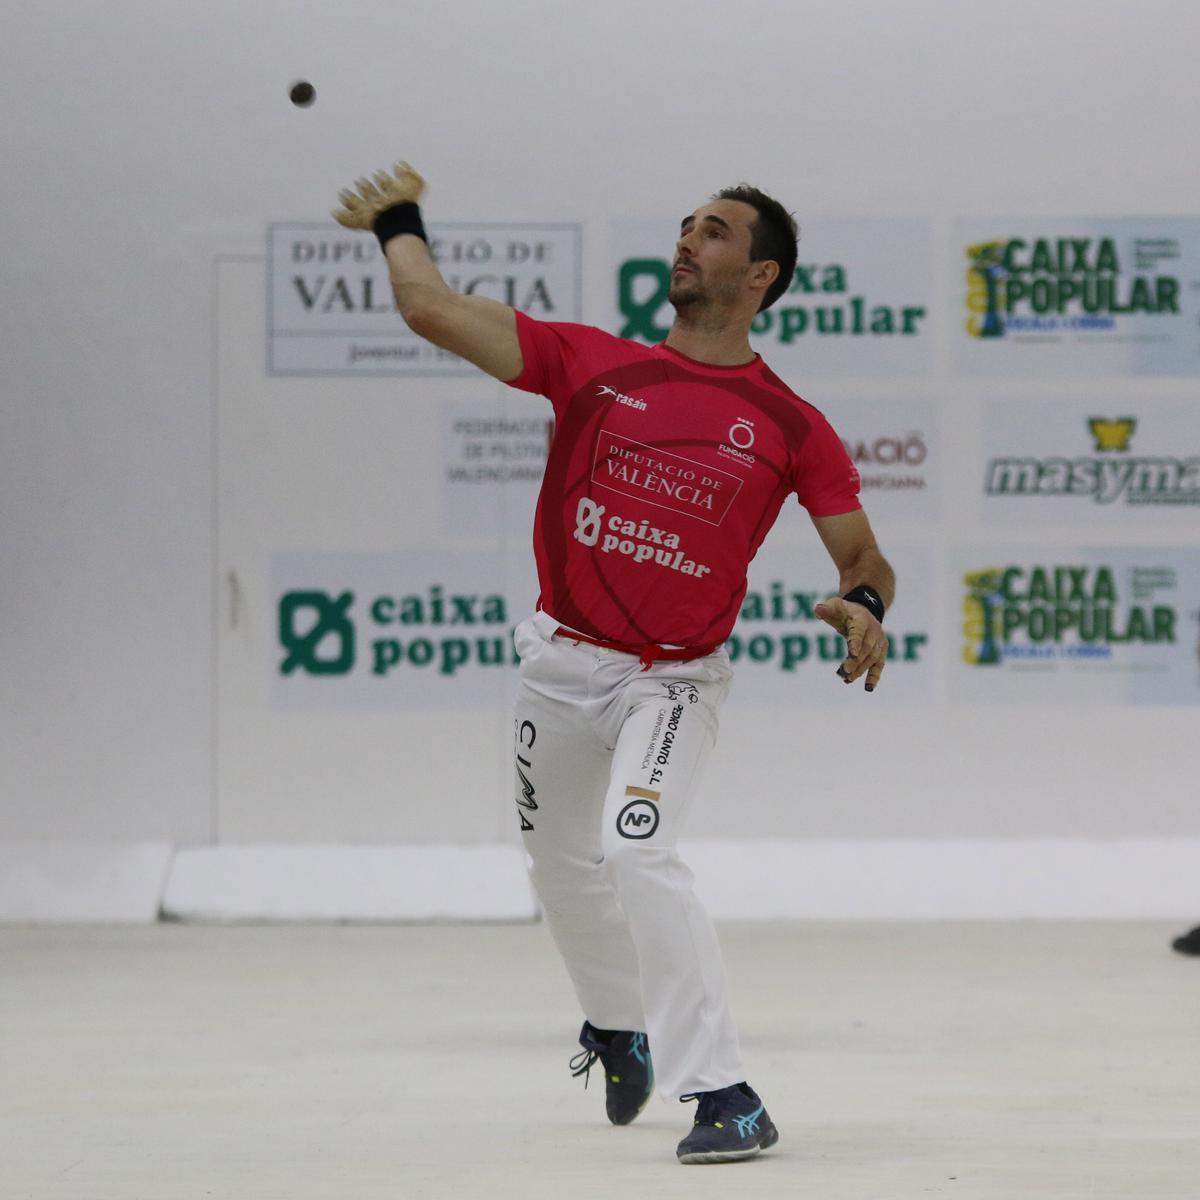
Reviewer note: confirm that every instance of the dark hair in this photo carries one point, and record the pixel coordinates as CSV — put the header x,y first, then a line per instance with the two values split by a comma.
x,y
774,236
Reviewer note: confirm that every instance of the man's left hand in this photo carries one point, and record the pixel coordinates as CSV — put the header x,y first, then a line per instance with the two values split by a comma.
x,y
866,643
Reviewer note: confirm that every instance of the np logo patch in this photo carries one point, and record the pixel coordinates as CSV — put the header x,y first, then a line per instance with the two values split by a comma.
x,y
638,820
683,691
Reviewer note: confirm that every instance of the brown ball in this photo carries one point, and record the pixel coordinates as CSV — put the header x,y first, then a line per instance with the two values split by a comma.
x,y
302,93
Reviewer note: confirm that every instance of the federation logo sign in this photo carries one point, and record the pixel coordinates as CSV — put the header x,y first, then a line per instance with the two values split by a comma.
x,y
1113,473
1048,285
889,462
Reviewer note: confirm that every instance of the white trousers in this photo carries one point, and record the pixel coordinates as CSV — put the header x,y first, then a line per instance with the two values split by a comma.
x,y
608,757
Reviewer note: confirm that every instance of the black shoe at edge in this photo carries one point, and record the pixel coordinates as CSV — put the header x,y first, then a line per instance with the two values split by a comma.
x,y
1188,943
731,1123
628,1071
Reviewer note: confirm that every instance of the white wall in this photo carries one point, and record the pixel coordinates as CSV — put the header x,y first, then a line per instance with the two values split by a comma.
x,y
142,141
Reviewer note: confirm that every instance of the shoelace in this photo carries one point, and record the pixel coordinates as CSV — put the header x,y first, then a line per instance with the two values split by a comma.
x,y
587,1058
582,1064
709,1108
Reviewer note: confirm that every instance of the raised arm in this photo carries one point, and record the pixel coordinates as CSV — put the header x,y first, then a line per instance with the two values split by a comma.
x,y
481,330
865,576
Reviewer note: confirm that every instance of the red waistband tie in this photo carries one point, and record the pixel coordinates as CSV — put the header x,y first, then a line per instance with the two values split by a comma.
x,y
647,655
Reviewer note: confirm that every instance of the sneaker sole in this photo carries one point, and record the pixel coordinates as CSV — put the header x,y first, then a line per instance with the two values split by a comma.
x,y
629,1120
719,1156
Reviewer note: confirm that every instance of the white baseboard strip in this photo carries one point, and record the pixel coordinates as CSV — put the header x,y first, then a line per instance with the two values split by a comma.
x,y
59,883
956,879
1050,878
349,883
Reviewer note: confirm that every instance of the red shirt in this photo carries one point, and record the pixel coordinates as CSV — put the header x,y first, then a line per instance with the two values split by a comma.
x,y
663,478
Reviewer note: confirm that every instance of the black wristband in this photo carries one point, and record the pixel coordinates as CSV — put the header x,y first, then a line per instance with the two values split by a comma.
x,y
868,597
400,218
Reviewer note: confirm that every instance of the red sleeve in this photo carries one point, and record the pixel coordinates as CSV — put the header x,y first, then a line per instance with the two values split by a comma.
x,y
826,482
559,357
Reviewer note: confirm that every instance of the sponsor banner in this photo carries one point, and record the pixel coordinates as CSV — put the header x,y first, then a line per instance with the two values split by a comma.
x,y
493,458
1086,296
330,309
433,628
421,629
1133,461
784,654
858,304
1080,625
896,447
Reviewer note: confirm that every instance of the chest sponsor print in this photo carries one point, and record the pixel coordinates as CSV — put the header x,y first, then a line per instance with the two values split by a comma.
x,y
640,541
664,479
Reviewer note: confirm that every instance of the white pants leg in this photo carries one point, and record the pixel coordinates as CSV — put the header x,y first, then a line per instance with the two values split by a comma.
x,y
608,758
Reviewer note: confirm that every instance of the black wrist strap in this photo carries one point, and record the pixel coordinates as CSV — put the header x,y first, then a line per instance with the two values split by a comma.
x,y
868,597
400,218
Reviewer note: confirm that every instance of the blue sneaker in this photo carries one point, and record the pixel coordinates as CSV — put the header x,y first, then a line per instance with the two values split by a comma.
x,y
731,1123
628,1071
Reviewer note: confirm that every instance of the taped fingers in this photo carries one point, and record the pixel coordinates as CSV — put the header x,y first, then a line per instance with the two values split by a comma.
x,y
867,654
874,673
867,647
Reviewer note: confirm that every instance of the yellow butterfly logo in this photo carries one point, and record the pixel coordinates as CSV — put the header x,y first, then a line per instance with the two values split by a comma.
x,y
1112,435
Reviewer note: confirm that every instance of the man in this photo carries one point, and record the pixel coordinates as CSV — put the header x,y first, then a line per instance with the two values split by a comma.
x,y
668,466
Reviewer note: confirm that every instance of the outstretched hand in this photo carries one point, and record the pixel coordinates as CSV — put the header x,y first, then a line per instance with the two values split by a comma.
x,y
866,643
388,188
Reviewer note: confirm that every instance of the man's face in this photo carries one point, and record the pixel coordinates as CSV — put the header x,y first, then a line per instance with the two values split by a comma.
x,y
712,256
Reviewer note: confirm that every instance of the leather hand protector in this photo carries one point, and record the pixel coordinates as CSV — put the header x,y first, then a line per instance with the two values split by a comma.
x,y
402,185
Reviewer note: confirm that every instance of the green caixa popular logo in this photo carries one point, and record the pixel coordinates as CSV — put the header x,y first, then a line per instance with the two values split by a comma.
x,y
316,633
439,629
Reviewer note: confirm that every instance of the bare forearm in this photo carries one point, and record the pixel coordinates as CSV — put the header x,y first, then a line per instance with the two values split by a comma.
x,y
416,281
476,328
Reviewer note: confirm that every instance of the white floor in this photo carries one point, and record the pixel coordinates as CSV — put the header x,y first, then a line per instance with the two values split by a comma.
x,y
980,1061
